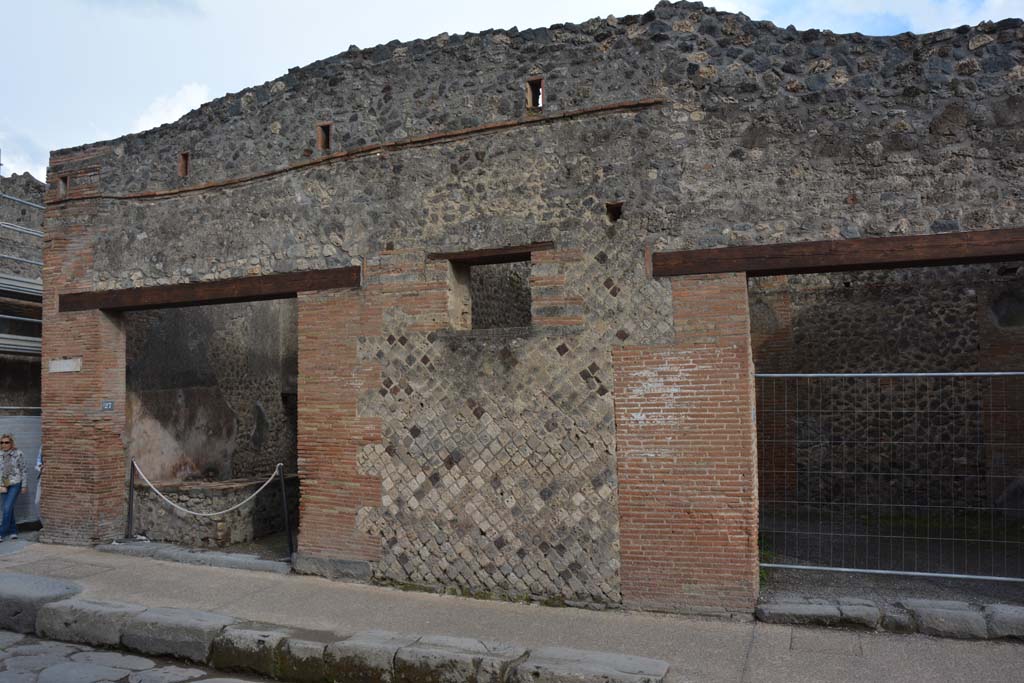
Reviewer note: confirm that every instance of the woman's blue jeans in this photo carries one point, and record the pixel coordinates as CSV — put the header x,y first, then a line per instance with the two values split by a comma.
x,y
7,526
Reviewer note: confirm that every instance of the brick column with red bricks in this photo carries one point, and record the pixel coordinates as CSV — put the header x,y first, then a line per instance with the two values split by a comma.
x,y
687,463
84,488
774,352
331,380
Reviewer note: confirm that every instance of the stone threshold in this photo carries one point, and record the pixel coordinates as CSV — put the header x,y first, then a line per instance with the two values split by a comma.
x,y
207,558
942,618
51,609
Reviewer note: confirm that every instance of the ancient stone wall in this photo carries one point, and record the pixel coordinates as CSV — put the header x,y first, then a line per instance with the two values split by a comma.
x,y
500,295
487,460
915,320
839,440
211,390
158,521
19,244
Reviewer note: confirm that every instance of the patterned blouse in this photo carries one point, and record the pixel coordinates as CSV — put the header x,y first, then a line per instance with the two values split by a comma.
x,y
12,466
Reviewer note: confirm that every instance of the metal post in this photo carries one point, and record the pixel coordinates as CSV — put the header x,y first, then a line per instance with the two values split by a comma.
x,y
131,500
284,505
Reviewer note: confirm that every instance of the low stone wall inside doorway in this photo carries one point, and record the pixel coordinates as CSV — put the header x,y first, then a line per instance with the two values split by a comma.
x,y
158,521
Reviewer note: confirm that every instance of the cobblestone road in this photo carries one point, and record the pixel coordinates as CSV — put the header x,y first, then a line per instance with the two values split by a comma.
x,y
24,659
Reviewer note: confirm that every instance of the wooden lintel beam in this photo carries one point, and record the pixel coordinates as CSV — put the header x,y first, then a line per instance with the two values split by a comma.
x,y
871,253
256,288
499,255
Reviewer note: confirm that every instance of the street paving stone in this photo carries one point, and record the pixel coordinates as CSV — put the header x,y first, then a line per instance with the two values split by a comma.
x,y
24,659
74,672
166,674
114,659
7,639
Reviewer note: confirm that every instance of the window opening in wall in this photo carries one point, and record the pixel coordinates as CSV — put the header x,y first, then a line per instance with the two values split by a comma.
x,y
535,93
490,295
62,186
490,288
323,136
183,165
613,210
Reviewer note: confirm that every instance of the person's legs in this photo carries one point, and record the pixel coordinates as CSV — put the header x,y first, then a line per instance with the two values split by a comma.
x,y
8,526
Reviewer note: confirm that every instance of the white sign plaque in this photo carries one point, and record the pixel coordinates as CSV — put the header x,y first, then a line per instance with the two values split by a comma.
x,y
66,364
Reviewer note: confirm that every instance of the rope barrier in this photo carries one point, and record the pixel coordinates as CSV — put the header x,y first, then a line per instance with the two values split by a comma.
x,y
170,502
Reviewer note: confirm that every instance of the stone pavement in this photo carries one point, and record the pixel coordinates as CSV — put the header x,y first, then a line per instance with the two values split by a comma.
x,y
697,650
24,659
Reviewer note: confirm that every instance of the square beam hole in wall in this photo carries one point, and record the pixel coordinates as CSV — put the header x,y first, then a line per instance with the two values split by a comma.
x,y
613,211
184,165
535,93
323,136
489,296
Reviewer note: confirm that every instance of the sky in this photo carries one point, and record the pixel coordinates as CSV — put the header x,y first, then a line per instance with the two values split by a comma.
x,y
79,71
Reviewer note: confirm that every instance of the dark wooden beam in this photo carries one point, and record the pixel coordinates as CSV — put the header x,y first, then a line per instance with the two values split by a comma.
x,y
479,257
257,288
872,253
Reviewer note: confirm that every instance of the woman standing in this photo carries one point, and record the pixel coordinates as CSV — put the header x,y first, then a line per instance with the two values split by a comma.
x,y
12,474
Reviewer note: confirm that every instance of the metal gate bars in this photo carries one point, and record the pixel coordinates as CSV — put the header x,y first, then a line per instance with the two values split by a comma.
x,y
910,473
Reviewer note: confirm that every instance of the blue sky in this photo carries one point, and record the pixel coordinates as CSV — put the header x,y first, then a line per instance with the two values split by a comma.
x,y
78,71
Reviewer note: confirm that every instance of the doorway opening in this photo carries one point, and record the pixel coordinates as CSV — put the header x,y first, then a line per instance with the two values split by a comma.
x,y
890,410
211,409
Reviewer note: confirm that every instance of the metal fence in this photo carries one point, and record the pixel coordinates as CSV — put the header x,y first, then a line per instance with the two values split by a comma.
x,y
902,473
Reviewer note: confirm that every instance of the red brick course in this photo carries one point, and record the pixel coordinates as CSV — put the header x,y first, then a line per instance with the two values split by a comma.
x,y
84,494
773,349
553,303
331,380
687,459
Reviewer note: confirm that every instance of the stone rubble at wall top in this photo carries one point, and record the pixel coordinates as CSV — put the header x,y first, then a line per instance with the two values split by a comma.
x,y
19,244
478,78
23,186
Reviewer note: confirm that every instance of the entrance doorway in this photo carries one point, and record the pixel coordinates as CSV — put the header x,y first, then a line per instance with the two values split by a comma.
x,y
890,415
211,410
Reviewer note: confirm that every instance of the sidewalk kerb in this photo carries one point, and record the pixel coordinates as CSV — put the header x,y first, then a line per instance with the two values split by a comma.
x,y
22,595
183,633
77,620
293,654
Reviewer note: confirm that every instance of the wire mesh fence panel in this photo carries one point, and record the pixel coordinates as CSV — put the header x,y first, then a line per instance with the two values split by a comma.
x,y
908,473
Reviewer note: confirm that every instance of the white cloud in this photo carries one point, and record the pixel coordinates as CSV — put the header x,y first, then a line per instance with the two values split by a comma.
x,y
19,163
18,154
169,108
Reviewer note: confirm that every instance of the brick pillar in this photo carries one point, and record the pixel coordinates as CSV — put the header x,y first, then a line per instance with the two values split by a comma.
x,y
773,350
84,490
687,458
84,487
331,432
552,302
